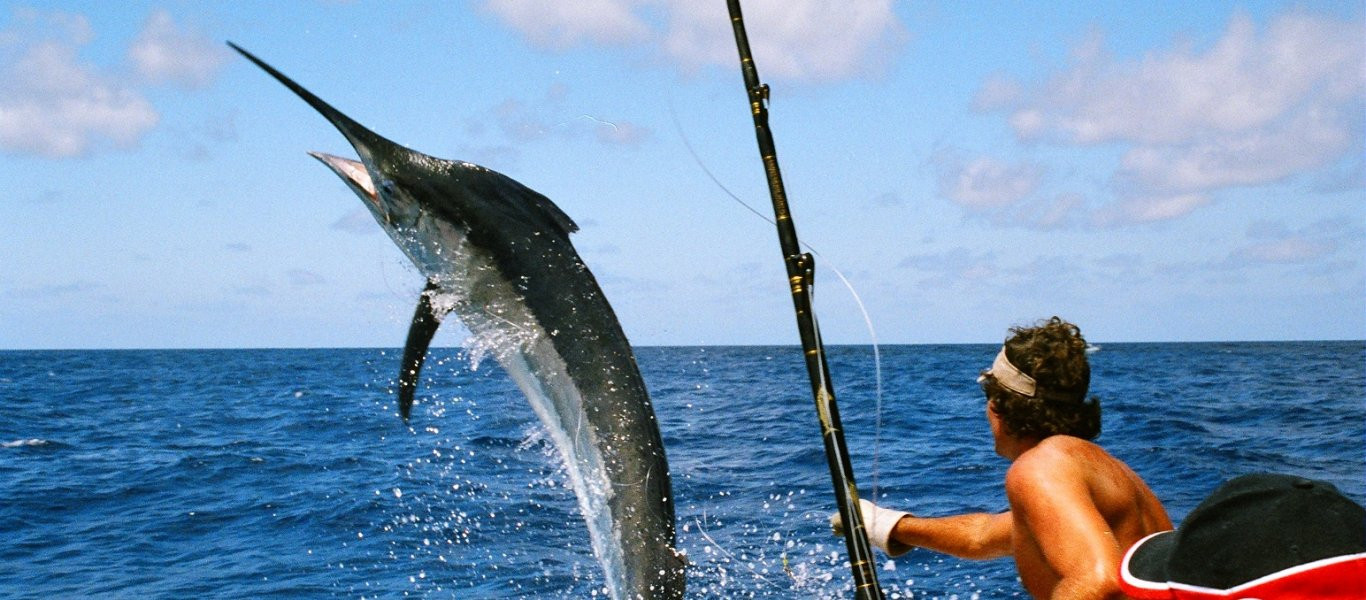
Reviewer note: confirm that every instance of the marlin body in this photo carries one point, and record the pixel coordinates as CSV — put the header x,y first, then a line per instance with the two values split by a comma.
x,y
498,255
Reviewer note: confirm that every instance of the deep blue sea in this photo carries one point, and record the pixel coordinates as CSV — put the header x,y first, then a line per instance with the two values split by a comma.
x,y
286,474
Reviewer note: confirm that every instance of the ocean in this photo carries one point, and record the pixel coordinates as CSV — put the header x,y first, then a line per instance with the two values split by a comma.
x,y
287,474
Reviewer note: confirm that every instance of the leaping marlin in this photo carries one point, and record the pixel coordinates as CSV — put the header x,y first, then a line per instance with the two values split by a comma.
x,y
498,255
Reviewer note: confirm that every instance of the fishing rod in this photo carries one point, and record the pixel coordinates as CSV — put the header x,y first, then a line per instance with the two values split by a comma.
x,y
801,268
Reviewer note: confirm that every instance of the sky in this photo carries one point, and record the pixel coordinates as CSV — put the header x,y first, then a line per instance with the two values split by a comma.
x,y
1165,171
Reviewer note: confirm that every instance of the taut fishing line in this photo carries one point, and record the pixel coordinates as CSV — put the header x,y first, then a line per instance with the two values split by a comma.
x,y
867,320
728,553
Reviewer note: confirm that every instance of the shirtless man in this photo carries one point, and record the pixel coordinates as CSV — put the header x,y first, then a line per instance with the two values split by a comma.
x,y
1074,509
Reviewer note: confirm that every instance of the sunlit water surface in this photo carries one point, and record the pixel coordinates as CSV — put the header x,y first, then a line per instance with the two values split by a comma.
x,y
284,473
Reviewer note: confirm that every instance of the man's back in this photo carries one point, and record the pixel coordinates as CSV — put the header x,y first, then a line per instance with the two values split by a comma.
x,y
1075,509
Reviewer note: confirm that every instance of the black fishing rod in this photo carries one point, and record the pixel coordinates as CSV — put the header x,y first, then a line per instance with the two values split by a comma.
x,y
801,269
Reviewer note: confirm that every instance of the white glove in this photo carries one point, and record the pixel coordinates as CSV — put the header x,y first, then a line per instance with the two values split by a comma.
x,y
878,522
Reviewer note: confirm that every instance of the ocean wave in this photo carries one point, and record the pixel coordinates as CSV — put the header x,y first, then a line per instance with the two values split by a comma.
x,y
155,488
26,443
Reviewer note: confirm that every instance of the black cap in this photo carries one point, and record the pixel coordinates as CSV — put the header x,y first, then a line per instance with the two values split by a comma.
x,y
1257,530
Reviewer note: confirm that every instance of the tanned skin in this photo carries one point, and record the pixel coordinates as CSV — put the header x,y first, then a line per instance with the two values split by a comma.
x,y
1074,509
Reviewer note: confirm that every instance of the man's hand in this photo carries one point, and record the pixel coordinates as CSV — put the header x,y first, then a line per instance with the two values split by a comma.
x,y
878,522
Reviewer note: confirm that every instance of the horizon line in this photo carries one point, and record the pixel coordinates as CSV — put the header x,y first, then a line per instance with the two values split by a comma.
x,y
639,346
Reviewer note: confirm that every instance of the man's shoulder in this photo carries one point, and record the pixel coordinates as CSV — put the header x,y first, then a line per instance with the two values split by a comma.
x,y
1059,449
1056,458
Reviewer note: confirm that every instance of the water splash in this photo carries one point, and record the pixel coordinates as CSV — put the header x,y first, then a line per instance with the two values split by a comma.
x,y
501,328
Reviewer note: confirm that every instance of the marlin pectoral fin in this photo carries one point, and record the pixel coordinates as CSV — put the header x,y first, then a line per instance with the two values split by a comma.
x,y
425,322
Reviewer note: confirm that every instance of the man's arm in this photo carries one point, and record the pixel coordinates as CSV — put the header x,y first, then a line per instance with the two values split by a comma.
x,y
974,536
1055,514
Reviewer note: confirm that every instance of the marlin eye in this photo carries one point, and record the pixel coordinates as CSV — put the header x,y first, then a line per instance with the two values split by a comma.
x,y
386,187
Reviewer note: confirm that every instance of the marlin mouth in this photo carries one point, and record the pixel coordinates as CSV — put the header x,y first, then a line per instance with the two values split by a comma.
x,y
351,171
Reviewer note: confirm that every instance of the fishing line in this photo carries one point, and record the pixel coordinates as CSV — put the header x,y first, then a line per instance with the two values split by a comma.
x,y
728,553
877,364
867,320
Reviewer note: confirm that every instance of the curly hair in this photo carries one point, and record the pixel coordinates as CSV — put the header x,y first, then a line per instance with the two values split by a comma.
x,y
1053,352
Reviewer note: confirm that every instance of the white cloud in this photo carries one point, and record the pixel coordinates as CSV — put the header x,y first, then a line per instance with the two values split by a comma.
x,y
809,40
1289,250
54,106
987,183
997,92
163,52
31,23
1252,109
1242,83
1056,213
801,40
1005,193
1274,243
522,123
563,24
1149,209
1302,143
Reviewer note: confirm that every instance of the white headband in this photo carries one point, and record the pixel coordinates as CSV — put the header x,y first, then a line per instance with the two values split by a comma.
x,y
1010,377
